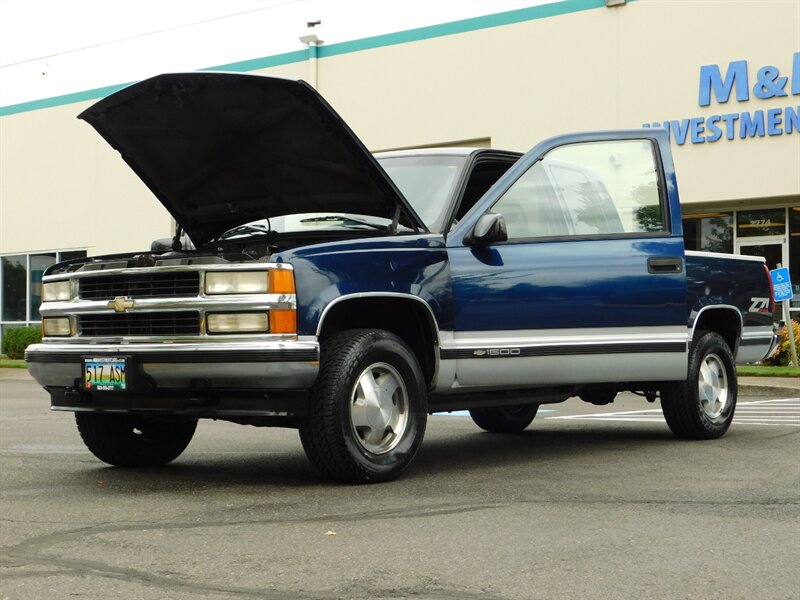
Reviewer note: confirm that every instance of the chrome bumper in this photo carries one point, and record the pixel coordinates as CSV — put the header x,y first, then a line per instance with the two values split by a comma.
x,y
273,365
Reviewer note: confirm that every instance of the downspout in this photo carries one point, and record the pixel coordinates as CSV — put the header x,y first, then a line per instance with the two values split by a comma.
x,y
313,53
313,42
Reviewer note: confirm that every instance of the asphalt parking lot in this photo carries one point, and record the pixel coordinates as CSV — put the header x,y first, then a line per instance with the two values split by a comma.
x,y
588,503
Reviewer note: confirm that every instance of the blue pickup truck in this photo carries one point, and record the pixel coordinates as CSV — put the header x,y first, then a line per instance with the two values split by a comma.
x,y
313,285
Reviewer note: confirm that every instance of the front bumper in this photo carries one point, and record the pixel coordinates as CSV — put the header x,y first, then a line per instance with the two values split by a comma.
x,y
252,371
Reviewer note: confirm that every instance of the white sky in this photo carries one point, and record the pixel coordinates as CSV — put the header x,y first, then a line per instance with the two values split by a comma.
x,y
54,47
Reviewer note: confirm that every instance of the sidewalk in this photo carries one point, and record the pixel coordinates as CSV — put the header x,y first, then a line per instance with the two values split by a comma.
x,y
785,387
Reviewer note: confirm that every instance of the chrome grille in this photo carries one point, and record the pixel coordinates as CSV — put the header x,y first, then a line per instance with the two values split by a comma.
x,y
151,285
143,324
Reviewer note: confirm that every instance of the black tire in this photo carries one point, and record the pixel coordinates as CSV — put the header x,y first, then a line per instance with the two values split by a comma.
x,y
702,407
351,435
504,419
134,440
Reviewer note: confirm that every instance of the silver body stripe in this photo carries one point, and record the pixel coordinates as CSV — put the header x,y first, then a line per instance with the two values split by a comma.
x,y
560,337
567,368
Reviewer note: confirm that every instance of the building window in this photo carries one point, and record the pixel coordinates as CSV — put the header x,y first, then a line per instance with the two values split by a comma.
x,y
15,281
711,232
794,257
21,285
752,223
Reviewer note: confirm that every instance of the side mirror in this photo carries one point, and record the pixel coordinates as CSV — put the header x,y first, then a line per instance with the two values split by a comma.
x,y
490,228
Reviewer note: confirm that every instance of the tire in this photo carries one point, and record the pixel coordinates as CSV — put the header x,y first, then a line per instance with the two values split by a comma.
x,y
134,440
702,407
504,419
352,435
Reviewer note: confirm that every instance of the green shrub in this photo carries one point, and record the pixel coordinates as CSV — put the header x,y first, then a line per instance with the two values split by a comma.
x,y
17,339
783,353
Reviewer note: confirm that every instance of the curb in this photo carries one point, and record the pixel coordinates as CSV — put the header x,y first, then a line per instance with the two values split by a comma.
x,y
773,391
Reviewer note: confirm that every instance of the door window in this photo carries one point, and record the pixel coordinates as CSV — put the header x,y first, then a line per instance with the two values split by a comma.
x,y
586,189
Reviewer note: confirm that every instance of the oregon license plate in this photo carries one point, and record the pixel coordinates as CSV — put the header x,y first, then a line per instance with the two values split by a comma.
x,y
105,374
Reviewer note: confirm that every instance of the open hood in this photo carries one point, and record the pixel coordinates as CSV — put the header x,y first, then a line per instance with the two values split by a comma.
x,y
223,149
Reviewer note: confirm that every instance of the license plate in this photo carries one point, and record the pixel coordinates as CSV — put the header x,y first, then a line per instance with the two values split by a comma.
x,y
105,374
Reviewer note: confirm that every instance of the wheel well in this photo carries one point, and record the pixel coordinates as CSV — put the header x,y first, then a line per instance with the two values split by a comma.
x,y
726,322
407,319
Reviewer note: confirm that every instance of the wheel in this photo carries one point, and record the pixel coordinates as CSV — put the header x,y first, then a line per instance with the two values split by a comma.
x,y
504,419
368,408
134,440
702,407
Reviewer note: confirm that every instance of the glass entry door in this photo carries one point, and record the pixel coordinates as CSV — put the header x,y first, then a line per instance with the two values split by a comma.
x,y
771,249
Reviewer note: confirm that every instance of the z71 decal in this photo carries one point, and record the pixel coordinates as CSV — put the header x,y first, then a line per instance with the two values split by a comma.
x,y
759,305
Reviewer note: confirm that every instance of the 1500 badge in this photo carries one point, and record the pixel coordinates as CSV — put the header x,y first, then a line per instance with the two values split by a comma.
x,y
492,352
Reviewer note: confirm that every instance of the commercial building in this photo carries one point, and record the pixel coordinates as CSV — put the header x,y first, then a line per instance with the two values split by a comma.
x,y
729,99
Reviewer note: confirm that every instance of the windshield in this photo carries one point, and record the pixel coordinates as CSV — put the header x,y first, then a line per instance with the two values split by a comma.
x,y
427,182
309,222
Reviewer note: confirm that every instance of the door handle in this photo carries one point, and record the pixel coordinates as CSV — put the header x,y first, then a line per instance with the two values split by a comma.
x,y
668,264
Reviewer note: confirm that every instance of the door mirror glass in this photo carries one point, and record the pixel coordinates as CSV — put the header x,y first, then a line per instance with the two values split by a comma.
x,y
489,229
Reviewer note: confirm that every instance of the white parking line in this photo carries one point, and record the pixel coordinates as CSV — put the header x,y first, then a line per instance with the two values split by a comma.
x,y
779,411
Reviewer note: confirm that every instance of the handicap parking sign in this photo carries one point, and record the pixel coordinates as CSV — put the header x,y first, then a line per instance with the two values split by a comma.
x,y
781,284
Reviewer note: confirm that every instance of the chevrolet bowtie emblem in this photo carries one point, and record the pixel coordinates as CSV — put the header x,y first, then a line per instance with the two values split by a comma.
x,y
120,304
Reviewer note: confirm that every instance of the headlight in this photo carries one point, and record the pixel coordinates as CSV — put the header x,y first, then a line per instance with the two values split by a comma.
x,y
233,282
237,323
56,327
56,290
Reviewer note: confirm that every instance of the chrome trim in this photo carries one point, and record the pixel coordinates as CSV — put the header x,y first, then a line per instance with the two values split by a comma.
x,y
224,266
200,302
213,303
698,253
558,337
219,344
718,307
204,339
399,295
358,295
755,332
244,372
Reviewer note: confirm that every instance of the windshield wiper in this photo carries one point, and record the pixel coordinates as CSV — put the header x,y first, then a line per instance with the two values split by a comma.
x,y
345,221
243,230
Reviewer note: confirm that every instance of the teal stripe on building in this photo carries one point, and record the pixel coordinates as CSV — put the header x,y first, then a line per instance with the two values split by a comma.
x,y
521,15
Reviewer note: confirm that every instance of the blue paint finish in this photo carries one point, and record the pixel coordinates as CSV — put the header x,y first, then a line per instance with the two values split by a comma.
x,y
575,283
566,285
715,280
415,265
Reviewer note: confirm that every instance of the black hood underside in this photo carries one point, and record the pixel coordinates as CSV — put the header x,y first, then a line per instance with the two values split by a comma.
x,y
223,149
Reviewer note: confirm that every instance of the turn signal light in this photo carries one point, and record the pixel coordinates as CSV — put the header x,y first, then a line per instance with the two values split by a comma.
x,y
281,281
283,321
